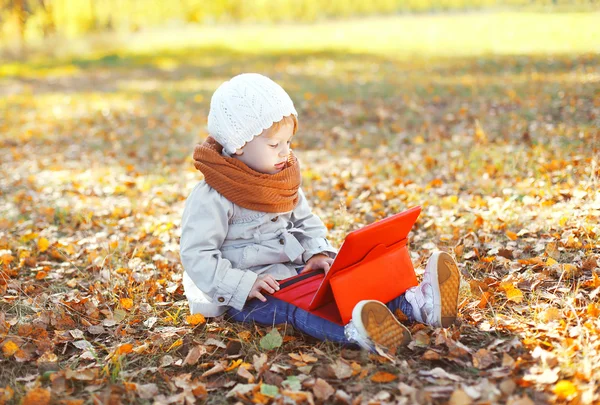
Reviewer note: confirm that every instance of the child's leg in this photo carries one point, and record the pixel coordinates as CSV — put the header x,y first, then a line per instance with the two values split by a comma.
x,y
402,304
276,311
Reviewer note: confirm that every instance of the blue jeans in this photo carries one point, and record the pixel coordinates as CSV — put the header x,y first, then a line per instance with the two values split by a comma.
x,y
275,311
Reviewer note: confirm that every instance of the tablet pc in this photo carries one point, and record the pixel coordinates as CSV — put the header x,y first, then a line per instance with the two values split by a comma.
x,y
360,242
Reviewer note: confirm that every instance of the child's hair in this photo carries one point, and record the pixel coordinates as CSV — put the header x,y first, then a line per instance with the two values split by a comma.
x,y
287,120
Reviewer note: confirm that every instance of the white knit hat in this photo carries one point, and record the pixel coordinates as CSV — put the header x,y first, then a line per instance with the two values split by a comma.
x,y
245,106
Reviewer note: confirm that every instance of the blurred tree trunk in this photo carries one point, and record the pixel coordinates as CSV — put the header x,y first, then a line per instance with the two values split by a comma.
x,y
21,14
49,25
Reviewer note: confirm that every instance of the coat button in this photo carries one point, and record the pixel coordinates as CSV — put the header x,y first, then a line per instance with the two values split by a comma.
x,y
281,241
221,299
274,219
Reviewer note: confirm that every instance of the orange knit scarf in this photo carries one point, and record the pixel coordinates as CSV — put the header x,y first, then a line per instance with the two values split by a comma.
x,y
246,187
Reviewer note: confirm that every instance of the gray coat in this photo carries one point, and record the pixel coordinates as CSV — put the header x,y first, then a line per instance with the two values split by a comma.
x,y
224,247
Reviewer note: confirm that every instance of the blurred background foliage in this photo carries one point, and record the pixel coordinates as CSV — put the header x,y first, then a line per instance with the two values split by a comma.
x,y
22,21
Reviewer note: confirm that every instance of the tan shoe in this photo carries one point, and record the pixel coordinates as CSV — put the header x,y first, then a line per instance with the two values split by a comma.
x,y
373,322
435,300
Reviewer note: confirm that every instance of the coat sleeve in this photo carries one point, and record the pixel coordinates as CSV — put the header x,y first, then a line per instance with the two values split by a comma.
x,y
204,226
314,236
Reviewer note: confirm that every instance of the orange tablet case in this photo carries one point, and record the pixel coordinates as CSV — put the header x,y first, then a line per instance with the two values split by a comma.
x,y
373,263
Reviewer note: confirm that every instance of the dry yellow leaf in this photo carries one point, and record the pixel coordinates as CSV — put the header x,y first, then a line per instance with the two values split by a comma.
x,y
564,389
569,270
6,259
175,344
195,319
29,237
512,292
593,310
43,244
234,364
9,348
126,303
551,314
511,235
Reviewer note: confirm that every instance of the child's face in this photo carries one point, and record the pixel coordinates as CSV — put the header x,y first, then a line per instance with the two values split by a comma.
x,y
267,152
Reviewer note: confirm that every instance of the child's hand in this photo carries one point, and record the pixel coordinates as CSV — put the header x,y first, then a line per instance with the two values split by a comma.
x,y
264,282
318,261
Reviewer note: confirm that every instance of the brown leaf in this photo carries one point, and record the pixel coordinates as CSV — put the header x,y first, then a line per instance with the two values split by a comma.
x,y
194,354
147,391
482,359
218,368
459,397
322,389
244,373
431,355
260,363
341,369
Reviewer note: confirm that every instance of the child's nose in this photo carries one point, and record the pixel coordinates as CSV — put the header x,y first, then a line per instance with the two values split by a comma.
x,y
285,150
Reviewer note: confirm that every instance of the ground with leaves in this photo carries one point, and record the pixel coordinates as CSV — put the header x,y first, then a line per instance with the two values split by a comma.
x,y
500,151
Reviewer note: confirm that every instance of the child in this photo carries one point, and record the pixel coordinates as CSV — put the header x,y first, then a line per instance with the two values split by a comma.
x,y
248,225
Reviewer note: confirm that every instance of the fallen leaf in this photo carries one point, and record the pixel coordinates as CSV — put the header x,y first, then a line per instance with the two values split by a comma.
x,y
147,391
244,373
271,340
512,292
217,368
551,314
234,364
124,349
240,390
483,359
431,355
259,362
37,396
322,389
564,389
194,355
195,319
459,397
269,390
341,369
126,303
383,377
9,348
43,244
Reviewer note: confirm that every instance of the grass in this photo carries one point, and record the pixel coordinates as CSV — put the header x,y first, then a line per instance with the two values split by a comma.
x,y
404,36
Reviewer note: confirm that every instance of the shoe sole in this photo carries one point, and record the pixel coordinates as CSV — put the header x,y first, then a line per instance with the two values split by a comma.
x,y
449,285
377,322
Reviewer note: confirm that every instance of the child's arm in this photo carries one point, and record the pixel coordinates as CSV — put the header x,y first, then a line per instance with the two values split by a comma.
x,y
314,236
204,226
